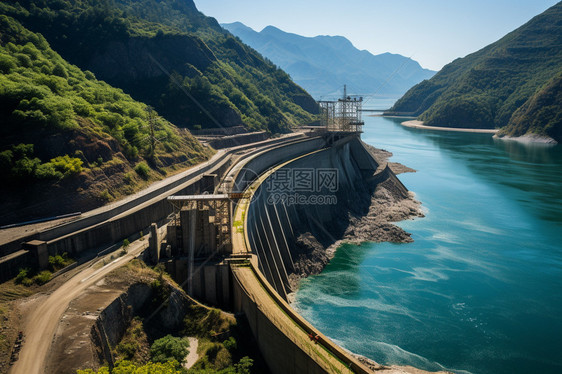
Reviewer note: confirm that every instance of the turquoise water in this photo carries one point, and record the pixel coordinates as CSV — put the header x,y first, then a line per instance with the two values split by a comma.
x,y
480,288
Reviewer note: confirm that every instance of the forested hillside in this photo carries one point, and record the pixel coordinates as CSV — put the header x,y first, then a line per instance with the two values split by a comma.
x,y
169,55
541,114
76,78
495,86
69,137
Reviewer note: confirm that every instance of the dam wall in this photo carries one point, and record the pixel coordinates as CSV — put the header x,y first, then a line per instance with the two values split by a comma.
x,y
266,159
301,207
309,198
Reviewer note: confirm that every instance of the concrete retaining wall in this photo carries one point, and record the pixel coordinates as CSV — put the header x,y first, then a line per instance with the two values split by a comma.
x,y
114,320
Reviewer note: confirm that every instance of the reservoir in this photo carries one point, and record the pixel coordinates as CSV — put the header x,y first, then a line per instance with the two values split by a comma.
x,y
480,288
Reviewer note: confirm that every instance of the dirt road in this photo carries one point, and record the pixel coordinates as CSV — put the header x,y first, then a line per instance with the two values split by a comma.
x,y
41,323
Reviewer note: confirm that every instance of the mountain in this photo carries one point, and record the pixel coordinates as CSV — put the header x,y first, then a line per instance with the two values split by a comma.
x,y
169,55
323,64
70,142
501,85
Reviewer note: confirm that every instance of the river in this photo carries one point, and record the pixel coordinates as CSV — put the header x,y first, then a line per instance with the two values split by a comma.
x,y
480,288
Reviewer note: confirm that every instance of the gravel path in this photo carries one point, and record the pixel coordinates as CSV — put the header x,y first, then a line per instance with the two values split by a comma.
x,y
192,356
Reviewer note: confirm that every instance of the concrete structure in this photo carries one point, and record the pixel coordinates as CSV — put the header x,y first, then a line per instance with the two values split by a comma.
x,y
154,244
101,228
262,254
39,253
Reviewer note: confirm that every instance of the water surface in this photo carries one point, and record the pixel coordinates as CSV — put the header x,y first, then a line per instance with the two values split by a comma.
x,y
480,289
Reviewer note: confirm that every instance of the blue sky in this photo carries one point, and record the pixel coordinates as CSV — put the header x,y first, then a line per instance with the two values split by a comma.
x,y
433,32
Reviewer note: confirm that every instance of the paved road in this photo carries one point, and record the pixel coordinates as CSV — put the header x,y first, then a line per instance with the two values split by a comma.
x,y
41,323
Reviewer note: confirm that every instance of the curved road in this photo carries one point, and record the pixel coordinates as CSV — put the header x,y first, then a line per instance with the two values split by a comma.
x,y
41,323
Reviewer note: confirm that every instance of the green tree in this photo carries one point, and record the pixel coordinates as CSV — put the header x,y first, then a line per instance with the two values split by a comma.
x,y
169,348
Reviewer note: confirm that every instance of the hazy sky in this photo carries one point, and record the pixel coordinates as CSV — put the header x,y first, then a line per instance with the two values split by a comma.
x,y
433,32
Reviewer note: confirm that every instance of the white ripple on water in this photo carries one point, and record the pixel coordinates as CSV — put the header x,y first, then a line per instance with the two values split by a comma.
x,y
395,355
370,304
481,227
442,254
426,274
446,237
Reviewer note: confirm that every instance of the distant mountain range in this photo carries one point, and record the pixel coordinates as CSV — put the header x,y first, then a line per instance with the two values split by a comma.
x,y
513,84
323,64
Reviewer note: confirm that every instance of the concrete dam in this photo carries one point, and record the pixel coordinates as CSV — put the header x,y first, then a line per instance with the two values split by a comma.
x,y
294,199
284,235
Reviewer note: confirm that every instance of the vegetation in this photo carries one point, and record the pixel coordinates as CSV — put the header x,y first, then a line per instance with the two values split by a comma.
x,y
188,67
130,347
495,86
169,348
62,129
41,92
59,262
28,277
541,114
128,367
146,347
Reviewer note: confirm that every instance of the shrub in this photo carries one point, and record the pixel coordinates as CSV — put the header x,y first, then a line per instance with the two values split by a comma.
x,y
128,367
67,165
47,171
128,178
230,344
126,244
143,170
43,277
23,273
58,262
169,348
127,350
105,195
244,366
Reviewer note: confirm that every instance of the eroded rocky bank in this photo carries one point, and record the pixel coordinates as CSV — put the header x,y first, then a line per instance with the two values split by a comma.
x,y
377,202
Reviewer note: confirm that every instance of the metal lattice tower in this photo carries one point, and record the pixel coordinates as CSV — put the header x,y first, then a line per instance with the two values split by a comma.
x,y
343,115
